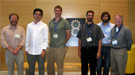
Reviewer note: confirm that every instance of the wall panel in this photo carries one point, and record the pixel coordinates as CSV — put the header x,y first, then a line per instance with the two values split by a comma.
x,y
131,18
71,9
0,33
24,8
114,7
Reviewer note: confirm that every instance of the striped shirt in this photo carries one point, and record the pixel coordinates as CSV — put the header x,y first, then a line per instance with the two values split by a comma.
x,y
12,37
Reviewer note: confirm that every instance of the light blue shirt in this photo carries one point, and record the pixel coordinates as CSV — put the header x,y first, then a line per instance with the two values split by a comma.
x,y
107,32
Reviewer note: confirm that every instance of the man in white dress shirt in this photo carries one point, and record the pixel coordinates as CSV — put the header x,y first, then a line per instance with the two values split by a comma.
x,y
36,42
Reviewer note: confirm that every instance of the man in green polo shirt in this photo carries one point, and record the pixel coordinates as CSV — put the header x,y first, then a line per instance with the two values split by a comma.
x,y
60,34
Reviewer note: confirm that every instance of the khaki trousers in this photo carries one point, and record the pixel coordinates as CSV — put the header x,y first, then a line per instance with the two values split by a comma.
x,y
55,55
118,61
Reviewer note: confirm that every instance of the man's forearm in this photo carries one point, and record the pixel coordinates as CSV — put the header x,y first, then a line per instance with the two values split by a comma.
x,y
19,47
79,45
99,45
9,48
67,38
68,35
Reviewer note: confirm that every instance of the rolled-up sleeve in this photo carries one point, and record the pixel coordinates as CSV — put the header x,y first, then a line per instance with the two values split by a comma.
x,y
22,38
3,39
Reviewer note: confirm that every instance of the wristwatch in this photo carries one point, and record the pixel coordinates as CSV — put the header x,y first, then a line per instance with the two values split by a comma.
x,y
11,50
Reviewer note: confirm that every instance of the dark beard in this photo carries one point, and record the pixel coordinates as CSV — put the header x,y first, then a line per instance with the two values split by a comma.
x,y
14,24
105,21
90,20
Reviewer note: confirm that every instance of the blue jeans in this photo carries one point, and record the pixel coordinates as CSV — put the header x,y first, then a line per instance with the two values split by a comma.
x,y
105,52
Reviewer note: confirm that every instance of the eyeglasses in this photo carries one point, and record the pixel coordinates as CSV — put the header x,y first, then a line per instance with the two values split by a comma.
x,y
90,15
117,18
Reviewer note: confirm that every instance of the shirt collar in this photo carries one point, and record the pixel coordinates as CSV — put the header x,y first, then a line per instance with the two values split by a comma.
x,y
106,25
59,19
90,24
9,26
118,27
37,23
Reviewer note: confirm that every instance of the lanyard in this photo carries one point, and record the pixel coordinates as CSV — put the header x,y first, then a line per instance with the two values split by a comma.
x,y
88,31
115,36
56,25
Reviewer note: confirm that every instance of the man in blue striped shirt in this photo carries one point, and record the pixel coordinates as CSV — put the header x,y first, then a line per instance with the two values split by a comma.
x,y
106,27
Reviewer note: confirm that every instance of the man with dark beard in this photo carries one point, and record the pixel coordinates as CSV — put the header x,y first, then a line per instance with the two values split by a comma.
x,y
90,39
106,27
12,39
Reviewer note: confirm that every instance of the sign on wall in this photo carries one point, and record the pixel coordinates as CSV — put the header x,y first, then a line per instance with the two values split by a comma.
x,y
75,26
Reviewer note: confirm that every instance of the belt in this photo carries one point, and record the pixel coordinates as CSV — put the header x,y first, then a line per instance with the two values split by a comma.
x,y
117,48
106,45
88,47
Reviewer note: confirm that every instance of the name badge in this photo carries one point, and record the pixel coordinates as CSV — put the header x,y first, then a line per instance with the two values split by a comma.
x,y
55,35
117,29
114,42
89,39
17,36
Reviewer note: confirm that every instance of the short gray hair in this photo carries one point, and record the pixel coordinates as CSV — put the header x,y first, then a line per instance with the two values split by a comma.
x,y
120,15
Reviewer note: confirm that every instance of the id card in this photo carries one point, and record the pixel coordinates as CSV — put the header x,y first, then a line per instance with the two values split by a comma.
x,y
114,42
117,29
55,35
17,36
89,39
